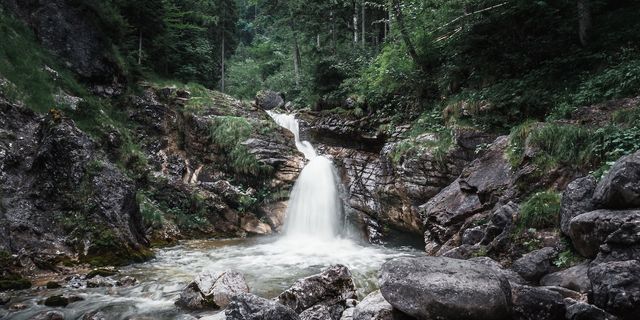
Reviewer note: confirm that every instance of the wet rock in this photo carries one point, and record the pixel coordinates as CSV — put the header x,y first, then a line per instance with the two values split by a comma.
x,y
531,303
443,288
4,299
18,306
53,285
620,188
616,287
126,281
49,315
269,100
375,307
318,312
330,288
585,311
618,229
56,301
212,290
252,225
246,306
96,315
100,282
575,278
576,200
532,266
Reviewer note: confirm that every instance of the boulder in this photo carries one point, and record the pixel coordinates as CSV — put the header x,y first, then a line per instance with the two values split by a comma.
x,y
375,307
616,287
585,311
576,200
510,275
212,290
616,228
531,303
347,314
533,265
56,301
444,288
330,288
268,100
318,312
620,188
246,306
479,187
575,278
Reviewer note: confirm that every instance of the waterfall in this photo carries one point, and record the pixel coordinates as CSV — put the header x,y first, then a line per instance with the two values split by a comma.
x,y
315,206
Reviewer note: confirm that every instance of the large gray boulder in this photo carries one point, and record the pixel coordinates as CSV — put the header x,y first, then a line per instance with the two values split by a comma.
x,y
330,288
575,278
510,275
246,306
616,287
444,288
269,100
620,188
532,303
618,229
212,290
533,265
375,307
576,200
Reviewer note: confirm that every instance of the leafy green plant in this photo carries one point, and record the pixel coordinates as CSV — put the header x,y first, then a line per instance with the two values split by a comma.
x,y
540,211
566,259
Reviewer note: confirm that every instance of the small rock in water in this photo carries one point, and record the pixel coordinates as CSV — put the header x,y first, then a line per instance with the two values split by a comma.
x,y
4,299
53,285
56,301
126,281
49,315
100,281
103,272
17,307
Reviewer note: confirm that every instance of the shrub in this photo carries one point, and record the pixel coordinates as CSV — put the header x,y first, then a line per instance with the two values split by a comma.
x,y
540,211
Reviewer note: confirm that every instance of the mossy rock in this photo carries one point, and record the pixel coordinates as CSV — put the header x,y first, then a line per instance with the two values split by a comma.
x,y
56,301
121,257
14,284
53,285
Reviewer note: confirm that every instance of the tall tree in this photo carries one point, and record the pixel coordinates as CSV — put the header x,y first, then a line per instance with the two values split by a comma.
x,y
584,21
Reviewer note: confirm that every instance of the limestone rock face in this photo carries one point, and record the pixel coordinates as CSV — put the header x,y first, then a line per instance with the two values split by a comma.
x,y
444,288
44,213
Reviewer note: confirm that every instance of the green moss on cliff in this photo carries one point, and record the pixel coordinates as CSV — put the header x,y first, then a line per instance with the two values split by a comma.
x,y
540,211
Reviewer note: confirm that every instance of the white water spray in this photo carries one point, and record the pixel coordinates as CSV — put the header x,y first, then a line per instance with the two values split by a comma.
x,y
315,205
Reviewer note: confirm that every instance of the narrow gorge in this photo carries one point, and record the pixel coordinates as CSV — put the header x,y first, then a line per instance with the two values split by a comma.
x,y
325,160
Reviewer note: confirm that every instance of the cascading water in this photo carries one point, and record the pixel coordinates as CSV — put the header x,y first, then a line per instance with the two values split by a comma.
x,y
314,206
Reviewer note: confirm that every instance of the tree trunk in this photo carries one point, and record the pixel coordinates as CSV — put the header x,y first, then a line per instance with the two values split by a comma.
x,y
584,21
296,61
140,47
364,27
222,68
405,33
355,22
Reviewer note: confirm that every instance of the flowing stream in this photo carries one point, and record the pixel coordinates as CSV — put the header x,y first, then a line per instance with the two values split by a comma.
x,y
313,239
